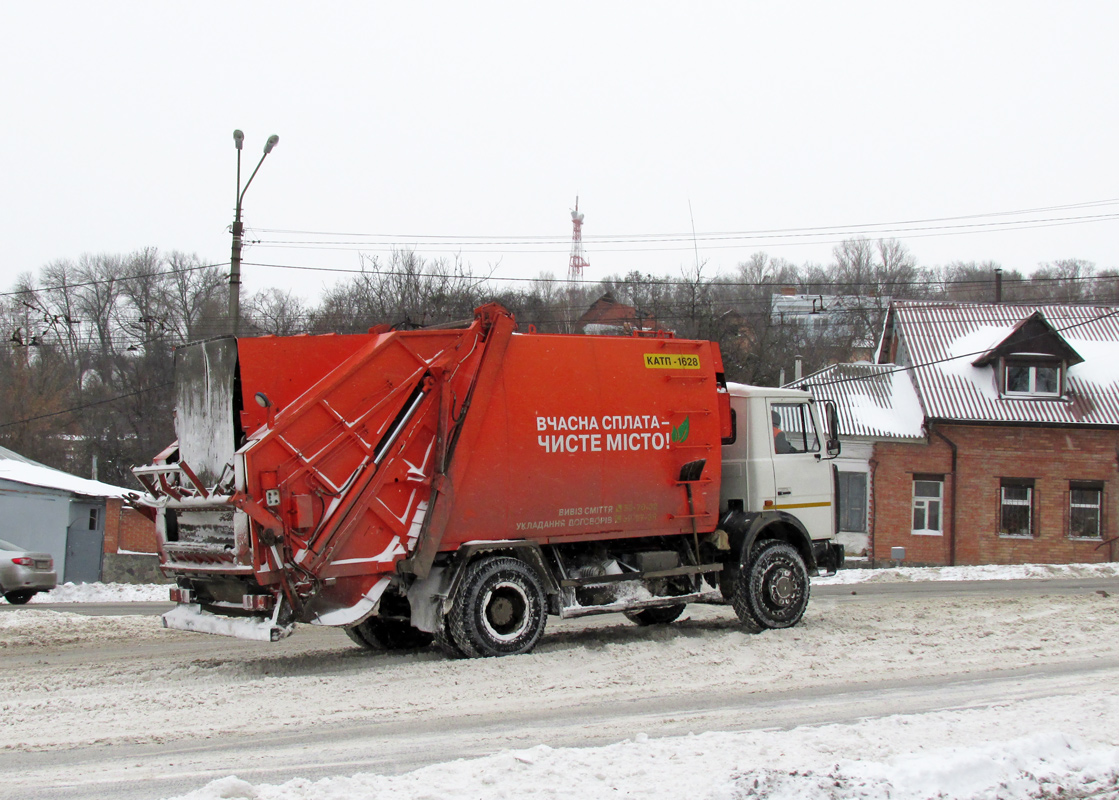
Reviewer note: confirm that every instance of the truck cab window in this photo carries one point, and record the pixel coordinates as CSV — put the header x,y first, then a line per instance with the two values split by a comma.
x,y
793,429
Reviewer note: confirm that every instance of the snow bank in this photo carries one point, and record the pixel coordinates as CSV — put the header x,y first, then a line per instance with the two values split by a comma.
x,y
989,572
42,629
105,593
696,767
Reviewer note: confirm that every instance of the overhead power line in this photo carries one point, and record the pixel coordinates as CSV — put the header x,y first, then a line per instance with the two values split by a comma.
x,y
475,239
117,279
652,279
681,243
84,406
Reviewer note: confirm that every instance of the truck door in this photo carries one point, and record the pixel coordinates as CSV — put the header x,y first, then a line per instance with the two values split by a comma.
x,y
747,483
802,481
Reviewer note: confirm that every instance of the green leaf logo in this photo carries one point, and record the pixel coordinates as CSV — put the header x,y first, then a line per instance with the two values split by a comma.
x,y
680,432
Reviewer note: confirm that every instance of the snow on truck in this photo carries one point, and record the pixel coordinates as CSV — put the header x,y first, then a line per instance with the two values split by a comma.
x,y
461,484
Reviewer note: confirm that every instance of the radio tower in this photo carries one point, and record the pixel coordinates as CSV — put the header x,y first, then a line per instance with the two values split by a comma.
x,y
578,262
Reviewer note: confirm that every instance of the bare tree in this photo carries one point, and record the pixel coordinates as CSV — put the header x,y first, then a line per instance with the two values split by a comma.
x,y
276,312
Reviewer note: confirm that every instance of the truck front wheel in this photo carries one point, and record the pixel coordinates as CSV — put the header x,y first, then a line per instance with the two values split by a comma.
x,y
499,609
772,591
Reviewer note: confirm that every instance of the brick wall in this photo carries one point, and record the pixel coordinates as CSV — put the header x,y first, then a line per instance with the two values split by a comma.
x,y
986,454
126,529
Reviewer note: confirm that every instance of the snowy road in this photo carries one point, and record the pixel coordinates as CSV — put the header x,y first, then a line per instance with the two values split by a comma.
x,y
116,706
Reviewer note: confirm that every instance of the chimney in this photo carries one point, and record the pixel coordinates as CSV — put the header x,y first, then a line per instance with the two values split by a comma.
x,y
781,379
998,284
798,368
789,291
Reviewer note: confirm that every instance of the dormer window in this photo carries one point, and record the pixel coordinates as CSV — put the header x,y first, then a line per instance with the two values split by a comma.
x,y
1032,360
1025,377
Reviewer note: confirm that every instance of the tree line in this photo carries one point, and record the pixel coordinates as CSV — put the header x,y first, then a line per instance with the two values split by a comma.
x,y
87,361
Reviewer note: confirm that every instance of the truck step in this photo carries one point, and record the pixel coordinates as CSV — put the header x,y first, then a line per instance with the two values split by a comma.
x,y
571,612
598,580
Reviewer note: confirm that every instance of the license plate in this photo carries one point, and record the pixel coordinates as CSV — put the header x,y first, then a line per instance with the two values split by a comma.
x,y
42,565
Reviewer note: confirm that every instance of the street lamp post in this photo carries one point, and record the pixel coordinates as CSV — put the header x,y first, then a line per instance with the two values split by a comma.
x,y
238,229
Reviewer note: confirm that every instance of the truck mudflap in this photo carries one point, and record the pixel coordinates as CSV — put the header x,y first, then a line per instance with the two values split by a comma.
x,y
318,613
191,617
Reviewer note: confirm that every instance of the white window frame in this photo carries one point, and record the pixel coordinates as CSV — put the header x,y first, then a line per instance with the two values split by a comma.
x,y
1028,503
923,502
1086,486
1032,366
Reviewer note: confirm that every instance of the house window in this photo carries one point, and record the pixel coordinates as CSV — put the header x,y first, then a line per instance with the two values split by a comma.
x,y
928,503
852,501
1032,378
93,519
1085,504
1016,499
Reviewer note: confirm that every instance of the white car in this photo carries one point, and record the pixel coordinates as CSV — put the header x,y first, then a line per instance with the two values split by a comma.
x,y
23,573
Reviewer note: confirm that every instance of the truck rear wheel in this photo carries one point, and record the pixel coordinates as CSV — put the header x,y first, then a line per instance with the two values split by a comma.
x,y
655,616
378,633
772,591
499,608
446,642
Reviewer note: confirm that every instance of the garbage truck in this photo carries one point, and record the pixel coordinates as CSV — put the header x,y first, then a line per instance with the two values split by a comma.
x,y
459,485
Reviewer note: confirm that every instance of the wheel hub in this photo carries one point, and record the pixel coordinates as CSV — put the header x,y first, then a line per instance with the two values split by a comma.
x,y
501,611
505,611
782,587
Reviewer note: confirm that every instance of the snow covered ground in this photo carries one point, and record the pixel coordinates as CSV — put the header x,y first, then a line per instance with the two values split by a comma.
x,y
76,682
734,766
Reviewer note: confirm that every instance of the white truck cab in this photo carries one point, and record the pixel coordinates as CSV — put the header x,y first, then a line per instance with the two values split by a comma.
x,y
778,457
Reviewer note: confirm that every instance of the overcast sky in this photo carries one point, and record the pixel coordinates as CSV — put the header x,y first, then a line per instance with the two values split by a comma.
x,y
473,126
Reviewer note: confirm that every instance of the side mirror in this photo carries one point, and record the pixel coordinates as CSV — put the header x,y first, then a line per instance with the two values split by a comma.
x,y
833,447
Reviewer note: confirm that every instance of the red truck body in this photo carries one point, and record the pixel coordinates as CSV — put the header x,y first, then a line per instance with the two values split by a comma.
x,y
313,473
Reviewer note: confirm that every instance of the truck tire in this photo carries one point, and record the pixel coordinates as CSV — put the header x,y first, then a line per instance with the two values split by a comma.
x,y
377,633
772,591
655,616
499,608
446,642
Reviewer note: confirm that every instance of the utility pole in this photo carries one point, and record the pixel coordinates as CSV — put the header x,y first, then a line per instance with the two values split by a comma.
x,y
238,230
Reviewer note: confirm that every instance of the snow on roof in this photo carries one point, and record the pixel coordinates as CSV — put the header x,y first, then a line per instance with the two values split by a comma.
x,y
942,340
20,469
874,400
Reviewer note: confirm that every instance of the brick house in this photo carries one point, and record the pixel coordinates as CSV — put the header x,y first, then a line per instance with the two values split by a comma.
x,y
609,317
1018,462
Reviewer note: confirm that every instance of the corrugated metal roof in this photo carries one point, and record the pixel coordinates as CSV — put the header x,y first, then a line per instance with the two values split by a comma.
x,y
873,400
941,340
